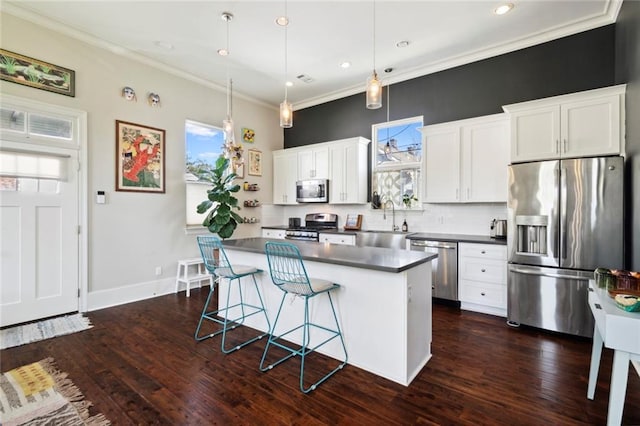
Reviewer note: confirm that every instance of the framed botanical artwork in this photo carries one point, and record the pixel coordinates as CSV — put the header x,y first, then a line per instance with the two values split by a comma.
x,y
35,73
255,162
139,158
238,169
248,135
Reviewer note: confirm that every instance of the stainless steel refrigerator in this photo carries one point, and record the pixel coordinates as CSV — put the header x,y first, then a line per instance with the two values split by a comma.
x,y
564,219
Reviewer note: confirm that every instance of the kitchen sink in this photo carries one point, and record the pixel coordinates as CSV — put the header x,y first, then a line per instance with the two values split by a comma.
x,y
386,239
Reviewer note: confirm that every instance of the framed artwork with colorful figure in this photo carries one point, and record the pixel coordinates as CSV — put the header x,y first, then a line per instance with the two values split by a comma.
x,y
139,158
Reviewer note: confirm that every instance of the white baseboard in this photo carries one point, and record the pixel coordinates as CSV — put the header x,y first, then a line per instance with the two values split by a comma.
x,y
500,312
131,293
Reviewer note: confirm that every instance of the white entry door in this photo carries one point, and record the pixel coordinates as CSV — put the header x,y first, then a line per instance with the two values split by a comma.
x,y
39,217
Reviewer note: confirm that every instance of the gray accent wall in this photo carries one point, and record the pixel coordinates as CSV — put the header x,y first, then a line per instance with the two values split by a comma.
x,y
627,67
571,64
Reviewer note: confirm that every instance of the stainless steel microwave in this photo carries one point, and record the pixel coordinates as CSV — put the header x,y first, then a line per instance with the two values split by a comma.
x,y
312,191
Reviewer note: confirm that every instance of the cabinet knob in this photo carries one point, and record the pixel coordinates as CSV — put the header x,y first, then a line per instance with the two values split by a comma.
x,y
482,294
483,252
483,270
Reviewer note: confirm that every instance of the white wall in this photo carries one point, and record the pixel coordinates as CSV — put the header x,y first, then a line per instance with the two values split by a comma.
x,y
133,233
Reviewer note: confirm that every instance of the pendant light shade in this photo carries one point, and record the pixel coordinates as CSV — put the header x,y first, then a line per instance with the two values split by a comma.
x,y
227,124
286,114
374,85
286,110
374,91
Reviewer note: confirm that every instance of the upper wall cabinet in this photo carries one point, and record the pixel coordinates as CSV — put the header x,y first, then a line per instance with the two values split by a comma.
x,y
466,160
583,124
348,171
343,162
313,163
285,173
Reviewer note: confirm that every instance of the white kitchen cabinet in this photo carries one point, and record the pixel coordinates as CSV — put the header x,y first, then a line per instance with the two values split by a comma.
x,y
285,174
482,278
277,234
583,124
348,171
313,163
466,160
441,145
344,239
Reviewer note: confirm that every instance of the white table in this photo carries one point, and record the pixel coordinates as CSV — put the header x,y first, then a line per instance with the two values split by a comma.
x,y
620,331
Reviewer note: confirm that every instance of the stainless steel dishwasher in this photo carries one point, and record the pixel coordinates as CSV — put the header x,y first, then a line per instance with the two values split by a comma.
x,y
444,279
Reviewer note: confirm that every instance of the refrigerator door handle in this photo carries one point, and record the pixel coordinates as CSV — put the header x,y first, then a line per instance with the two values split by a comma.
x,y
563,214
537,272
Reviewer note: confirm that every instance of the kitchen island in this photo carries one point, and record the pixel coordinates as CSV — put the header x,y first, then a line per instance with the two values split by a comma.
x,y
383,305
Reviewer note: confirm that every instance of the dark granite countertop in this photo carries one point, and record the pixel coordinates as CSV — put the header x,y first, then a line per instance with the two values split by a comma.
x,y
276,227
461,238
376,258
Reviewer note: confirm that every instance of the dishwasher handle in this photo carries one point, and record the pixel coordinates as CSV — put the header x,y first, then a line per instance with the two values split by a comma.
x,y
433,244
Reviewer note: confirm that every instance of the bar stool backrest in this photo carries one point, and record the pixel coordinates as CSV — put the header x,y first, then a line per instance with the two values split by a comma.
x,y
214,257
287,269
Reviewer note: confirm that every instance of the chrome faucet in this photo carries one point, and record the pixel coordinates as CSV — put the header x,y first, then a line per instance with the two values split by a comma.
x,y
393,209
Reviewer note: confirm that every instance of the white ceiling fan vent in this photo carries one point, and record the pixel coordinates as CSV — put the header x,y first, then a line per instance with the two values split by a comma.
x,y
304,78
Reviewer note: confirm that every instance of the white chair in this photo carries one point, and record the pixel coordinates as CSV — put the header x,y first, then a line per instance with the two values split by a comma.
x,y
184,274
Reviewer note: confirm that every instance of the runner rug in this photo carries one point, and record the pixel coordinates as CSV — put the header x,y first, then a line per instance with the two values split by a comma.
x,y
46,329
40,394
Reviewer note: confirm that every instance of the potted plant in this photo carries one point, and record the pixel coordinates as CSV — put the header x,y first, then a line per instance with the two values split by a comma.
x,y
221,219
408,200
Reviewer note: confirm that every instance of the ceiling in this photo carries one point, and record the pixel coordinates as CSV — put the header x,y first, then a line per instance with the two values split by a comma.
x,y
320,36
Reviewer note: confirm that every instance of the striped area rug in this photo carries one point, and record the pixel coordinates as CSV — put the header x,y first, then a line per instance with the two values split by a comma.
x,y
46,329
40,394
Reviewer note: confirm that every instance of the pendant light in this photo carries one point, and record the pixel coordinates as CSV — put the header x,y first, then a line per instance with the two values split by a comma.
x,y
374,85
286,110
227,124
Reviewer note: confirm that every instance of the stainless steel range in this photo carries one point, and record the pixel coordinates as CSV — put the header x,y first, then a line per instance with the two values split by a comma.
x,y
314,223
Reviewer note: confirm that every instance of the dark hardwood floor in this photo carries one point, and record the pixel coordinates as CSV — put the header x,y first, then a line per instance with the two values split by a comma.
x,y
141,365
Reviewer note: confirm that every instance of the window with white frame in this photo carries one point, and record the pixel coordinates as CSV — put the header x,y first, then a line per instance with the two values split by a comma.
x,y
397,161
203,146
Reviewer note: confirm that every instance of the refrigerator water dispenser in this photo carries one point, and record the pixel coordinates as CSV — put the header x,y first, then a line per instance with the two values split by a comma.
x,y
532,235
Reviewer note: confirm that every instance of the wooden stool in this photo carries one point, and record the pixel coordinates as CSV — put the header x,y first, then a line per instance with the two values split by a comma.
x,y
184,276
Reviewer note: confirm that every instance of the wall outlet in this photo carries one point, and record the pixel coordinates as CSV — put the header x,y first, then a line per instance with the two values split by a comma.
x,y
158,270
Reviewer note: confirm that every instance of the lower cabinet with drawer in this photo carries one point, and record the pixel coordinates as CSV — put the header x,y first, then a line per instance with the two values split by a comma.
x,y
273,233
482,278
344,239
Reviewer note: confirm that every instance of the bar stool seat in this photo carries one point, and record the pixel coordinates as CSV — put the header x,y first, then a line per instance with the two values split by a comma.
x,y
289,275
216,261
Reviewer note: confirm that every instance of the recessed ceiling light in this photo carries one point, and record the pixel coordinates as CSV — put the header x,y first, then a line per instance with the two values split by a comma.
x,y
401,44
223,52
345,64
164,45
502,9
283,21
289,83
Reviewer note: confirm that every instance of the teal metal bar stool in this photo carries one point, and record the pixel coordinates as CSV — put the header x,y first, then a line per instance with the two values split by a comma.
x,y
289,275
217,263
